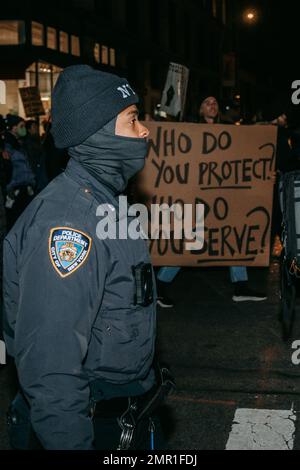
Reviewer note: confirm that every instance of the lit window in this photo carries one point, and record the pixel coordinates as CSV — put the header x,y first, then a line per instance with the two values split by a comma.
x,y
97,52
63,42
51,38
112,57
12,32
75,46
37,34
56,73
104,55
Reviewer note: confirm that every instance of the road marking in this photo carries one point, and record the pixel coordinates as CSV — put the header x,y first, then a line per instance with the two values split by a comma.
x,y
262,430
2,352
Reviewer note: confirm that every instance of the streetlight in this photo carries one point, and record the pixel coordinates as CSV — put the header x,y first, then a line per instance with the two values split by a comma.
x,y
246,19
250,16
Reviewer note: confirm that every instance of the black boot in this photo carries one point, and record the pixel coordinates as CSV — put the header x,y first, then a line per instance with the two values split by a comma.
x,y
162,298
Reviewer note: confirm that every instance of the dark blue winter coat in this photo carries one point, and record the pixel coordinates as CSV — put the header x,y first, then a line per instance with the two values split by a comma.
x,y
70,314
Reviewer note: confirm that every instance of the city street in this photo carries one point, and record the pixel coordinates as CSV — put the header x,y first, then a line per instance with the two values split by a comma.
x,y
229,358
237,387
134,134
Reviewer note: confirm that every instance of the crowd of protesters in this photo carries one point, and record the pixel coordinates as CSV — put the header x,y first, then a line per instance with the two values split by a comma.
x,y
287,120
28,161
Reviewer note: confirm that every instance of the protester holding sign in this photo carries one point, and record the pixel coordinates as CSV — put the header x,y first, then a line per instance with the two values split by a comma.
x,y
210,113
228,170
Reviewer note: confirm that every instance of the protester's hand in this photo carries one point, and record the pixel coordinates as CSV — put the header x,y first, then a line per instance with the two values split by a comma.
x,y
274,177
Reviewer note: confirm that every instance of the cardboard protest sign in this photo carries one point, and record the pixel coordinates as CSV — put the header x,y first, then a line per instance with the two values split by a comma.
x,y
32,103
174,94
229,170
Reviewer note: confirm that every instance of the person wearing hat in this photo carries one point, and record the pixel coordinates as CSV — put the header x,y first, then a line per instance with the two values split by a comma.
x,y
80,313
209,113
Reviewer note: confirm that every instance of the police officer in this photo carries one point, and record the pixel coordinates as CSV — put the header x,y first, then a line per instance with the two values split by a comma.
x,y
79,310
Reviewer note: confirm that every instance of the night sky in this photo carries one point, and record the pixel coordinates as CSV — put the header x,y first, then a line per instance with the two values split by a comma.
x,y
270,46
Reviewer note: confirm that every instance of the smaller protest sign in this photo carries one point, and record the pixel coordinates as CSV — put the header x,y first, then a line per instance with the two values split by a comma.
x,y
174,94
32,103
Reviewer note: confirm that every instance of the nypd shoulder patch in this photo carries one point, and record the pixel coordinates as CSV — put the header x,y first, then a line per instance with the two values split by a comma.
x,y
68,249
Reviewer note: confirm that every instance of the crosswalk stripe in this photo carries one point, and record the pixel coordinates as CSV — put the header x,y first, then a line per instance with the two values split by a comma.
x,y
254,429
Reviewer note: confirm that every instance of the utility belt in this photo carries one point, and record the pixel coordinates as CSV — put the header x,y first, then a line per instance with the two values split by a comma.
x,y
130,411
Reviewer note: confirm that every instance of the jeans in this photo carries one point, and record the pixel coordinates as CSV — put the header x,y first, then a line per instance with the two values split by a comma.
x,y
168,273
238,273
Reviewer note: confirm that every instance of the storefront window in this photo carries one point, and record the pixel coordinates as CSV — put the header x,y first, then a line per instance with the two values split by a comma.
x,y
12,101
37,34
12,33
47,76
51,38
63,42
75,45
43,75
97,52
104,55
112,57
45,85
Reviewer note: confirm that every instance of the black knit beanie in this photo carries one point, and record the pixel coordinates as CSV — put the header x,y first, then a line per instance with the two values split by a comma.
x,y
84,100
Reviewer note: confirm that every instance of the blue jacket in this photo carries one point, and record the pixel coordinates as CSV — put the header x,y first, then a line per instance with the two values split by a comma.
x,y
22,174
70,318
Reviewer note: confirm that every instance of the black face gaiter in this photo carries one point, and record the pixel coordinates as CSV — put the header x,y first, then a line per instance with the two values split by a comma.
x,y
110,158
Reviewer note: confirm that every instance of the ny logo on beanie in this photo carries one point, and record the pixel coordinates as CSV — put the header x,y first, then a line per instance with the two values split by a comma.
x,y
126,90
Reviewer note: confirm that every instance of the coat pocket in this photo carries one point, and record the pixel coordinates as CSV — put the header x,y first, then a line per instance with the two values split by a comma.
x,y
126,340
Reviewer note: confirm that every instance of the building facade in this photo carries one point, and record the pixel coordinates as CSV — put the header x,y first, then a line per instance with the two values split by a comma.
x,y
133,38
